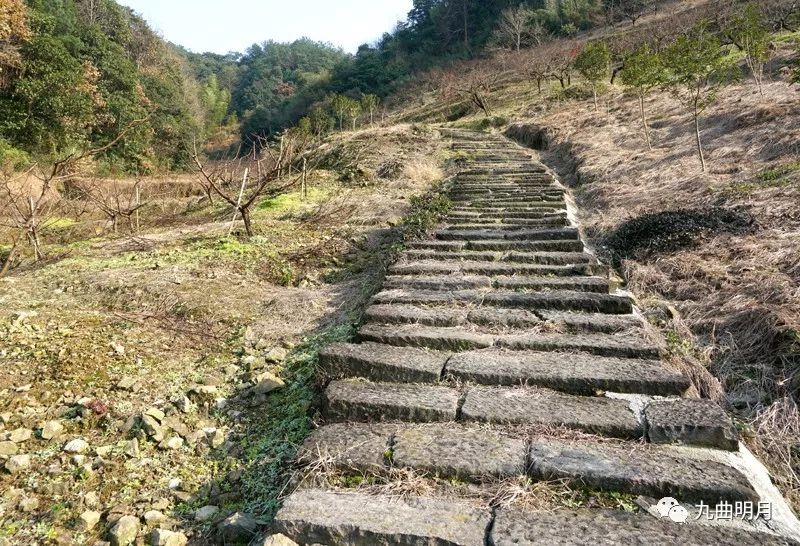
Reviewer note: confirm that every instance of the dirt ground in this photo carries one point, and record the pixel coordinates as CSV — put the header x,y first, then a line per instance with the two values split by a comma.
x,y
157,373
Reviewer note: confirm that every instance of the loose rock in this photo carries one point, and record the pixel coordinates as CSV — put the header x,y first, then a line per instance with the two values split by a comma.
x,y
51,429
125,531
17,463
88,520
20,435
78,445
206,513
8,448
238,526
163,537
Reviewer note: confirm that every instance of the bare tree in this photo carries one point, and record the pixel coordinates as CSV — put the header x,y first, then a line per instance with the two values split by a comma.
x,y
231,179
782,14
116,199
633,10
477,86
514,27
32,205
538,67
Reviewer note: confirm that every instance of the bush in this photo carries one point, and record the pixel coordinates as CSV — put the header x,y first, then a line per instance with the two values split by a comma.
x,y
11,158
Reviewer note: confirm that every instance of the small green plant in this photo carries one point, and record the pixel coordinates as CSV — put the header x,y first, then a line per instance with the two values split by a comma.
x,y
426,210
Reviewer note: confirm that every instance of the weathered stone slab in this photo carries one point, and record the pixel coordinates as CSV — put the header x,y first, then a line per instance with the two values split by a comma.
x,y
690,421
410,314
562,300
448,339
639,469
526,234
437,282
553,299
449,451
440,267
536,406
503,318
574,373
577,284
555,244
326,517
598,344
361,401
351,446
592,322
382,362
610,528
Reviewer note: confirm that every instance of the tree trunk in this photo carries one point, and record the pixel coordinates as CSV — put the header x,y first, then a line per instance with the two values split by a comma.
x,y
644,122
248,227
9,259
697,136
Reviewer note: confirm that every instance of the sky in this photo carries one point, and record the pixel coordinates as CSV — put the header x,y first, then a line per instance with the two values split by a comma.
x,y
234,25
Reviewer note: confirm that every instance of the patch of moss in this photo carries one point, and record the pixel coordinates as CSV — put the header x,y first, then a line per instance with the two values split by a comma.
x,y
283,422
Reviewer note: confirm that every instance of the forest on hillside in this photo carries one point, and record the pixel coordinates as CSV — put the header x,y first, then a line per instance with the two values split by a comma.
x,y
76,74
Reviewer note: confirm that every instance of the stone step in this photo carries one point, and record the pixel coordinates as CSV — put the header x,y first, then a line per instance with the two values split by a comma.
x,y
544,193
507,204
573,245
638,469
493,269
361,401
591,322
352,400
549,408
520,234
490,223
509,224
476,454
502,319
451,282
510,208
485,222
545,258
562,300
318,516
378,362
315,516
473,217
459,339
515,527
691,421
566,372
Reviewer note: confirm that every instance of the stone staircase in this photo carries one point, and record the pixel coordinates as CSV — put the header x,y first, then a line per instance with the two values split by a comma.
x,y
500,349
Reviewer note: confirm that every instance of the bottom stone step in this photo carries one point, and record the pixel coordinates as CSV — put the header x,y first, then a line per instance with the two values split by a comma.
x,y
324,517
513,527
316,516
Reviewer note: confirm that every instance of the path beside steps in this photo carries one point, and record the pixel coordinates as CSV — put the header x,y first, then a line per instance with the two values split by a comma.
x,y
499,350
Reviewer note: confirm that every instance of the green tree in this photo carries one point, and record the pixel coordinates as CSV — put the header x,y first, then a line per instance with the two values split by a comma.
x,y
594,64
697,67
216,102
369,103
321,121
352,111
748,32
643,71
339,106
